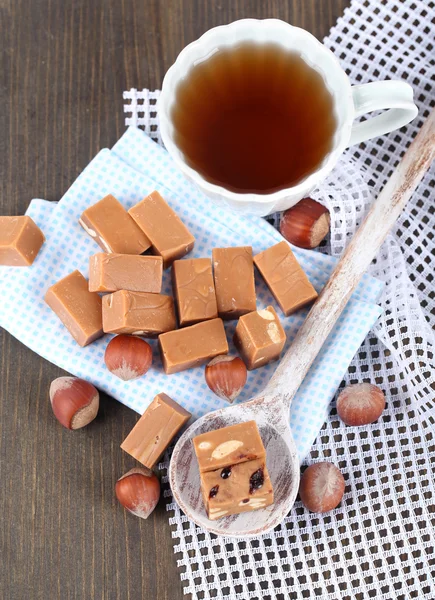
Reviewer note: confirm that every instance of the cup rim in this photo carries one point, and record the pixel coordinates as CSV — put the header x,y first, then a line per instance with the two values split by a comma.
x,y
167,97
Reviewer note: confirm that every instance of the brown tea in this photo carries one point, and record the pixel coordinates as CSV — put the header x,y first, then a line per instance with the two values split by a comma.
x,y
254,118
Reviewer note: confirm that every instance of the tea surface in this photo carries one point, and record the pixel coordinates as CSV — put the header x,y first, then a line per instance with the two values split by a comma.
x,y
254,118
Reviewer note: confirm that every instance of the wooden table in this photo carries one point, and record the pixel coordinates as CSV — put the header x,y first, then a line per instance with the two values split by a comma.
x,y
64,65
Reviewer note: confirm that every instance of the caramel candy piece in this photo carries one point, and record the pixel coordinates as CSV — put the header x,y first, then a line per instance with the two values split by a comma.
x,y
237,488
154,431
285,278
192,346
228,446
138,313
77,307
259,337
194,290
20,241
234,281
113,272
110,225
169,237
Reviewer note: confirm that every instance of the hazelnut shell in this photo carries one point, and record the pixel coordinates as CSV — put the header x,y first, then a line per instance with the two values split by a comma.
x,y
322,487
360,404
226,376
306,224
128,357
74,401
138,491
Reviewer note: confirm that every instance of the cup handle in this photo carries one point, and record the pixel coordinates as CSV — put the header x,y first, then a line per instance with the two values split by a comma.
x,y
397,96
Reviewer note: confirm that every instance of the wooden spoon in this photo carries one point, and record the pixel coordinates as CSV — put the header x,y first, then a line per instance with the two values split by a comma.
x,y
271,409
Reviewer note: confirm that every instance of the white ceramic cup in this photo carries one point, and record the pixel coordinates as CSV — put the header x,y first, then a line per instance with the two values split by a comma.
x,y
349,102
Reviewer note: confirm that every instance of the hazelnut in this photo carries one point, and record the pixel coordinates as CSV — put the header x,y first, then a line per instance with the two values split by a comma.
x,y
360,404
306,224
128,357
226,376
138,491
322,487
74,401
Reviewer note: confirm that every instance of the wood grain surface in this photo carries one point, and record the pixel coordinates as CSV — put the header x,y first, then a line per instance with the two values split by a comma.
x,y
63,67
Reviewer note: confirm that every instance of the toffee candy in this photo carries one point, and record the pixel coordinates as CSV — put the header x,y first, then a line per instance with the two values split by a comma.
x,y
169,237
110,225
192,346
234,281
259,337
20,241
285,278
77,307
237,488
194,290
138,313
114,272
154,431
228,446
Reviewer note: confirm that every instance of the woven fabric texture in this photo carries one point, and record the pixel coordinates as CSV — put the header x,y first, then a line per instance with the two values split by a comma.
x,y
380,542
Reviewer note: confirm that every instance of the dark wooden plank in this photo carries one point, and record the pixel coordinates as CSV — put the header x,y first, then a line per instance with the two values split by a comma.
x,y
63,67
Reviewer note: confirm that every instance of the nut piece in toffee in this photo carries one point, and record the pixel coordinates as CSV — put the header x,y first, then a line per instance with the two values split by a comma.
x,y
192,346
234,281
77,307
20,241
259,337
237,488
138,313
228,446
110,225
154,431
285,278
169,237
114,272
194,290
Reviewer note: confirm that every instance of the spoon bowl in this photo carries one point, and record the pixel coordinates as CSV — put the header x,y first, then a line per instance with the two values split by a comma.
x,y
281,459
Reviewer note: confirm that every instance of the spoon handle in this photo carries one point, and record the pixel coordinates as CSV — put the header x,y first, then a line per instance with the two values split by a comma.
x,y
354,262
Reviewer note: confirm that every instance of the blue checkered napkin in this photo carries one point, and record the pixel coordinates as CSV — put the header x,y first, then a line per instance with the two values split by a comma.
x,y
134,168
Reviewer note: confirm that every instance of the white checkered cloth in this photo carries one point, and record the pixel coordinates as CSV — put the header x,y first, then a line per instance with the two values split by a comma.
x,y
380,542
